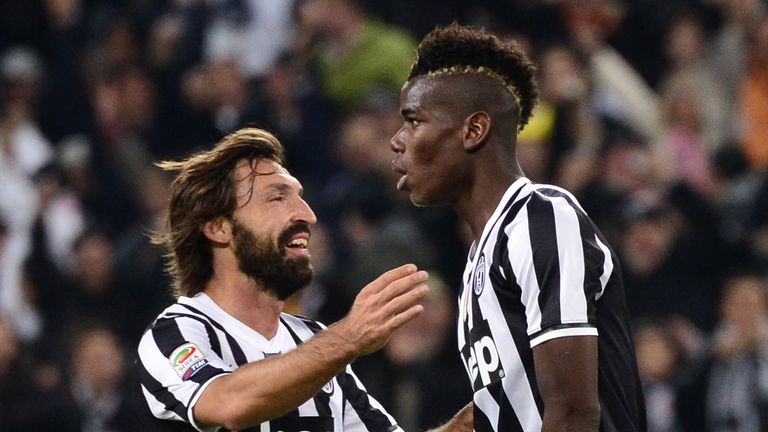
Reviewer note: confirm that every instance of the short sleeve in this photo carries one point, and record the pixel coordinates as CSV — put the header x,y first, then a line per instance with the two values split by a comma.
x,y
559,264
177,360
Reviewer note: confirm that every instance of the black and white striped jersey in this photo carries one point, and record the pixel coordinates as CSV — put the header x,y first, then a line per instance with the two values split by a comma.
x,y
542,270
194,342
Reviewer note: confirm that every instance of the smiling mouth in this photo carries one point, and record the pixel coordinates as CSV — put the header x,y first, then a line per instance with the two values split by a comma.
x,y
296,239
298,243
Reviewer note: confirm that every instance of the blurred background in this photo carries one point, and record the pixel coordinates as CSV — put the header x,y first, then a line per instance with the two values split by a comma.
x,y
654,113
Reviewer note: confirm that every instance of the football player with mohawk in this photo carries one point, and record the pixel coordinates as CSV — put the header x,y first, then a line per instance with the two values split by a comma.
x,y
543,326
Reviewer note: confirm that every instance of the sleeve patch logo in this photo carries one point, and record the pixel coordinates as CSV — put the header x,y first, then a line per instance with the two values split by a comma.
x,y
186,360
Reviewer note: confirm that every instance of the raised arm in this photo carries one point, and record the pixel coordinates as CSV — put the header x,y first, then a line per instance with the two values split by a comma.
x,y
267,389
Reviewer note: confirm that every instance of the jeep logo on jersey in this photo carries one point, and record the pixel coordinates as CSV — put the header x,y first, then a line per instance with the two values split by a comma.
x,y
481,358
480,275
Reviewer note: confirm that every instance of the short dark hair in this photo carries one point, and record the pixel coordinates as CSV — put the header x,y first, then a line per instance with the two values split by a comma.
x,y
461,45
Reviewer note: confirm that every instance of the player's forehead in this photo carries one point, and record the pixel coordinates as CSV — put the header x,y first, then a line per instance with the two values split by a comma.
x,y
430,95
262,174
417,89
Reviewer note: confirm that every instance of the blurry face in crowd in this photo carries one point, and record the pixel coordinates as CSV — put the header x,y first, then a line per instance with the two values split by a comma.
x,y
271,228
363,138
93,263
656,355
98,360
685,41
9,345
428,146
745,303
647,243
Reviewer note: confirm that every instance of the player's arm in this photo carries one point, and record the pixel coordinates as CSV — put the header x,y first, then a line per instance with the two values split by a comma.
x,y
566,372
462,422
267,389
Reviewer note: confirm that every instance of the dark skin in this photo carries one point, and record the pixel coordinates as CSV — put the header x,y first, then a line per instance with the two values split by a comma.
x,y
456,147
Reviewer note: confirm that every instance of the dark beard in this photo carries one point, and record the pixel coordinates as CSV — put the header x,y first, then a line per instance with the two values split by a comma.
x,y
261,260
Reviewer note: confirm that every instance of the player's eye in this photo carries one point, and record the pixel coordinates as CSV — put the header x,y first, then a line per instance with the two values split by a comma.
x,y
414,122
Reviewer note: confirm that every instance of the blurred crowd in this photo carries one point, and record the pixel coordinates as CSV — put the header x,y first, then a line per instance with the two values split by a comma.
x,y
654,113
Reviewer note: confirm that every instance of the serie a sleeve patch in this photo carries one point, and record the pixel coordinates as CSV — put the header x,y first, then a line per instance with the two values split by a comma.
x,y
186,360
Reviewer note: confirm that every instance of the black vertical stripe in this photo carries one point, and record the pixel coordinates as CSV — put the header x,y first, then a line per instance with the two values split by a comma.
x,y
545,256
481,422
312,325
167,336
508,421
511,209
212,338
594,265
296,339
594,257
323,402
161,393
373,419
322,399
237,351
511,305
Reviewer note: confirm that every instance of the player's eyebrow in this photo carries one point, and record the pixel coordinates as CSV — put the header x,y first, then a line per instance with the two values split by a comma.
x,y
409,110
283,188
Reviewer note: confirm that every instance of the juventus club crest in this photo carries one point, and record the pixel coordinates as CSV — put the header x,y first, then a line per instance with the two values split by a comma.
x,y
480,275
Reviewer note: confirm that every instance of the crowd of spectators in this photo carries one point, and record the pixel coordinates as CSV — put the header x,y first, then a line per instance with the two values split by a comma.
x,y
654,113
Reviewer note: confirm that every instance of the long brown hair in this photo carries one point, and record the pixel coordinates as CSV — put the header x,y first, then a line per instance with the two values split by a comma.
x,y
202,191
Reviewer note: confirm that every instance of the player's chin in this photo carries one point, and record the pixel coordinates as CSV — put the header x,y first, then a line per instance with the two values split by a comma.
x,y
421,200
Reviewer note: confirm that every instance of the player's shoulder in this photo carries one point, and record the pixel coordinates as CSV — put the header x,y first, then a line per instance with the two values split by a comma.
x,y
183,308
559,198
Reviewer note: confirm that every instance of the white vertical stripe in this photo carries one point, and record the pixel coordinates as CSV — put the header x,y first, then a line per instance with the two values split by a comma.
x,y
462,306
158,408
352,421
607,267
515,382
374,403
488,405
573,303
521,260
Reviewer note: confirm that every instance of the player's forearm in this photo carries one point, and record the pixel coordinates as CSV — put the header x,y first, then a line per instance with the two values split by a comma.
x,y
270,388
461,422
267,389
575,419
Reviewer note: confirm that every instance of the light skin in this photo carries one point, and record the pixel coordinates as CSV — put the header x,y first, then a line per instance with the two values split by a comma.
x,y
259,391
450,155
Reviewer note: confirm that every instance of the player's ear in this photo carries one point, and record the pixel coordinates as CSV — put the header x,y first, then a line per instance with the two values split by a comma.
x,y
218,230
475,132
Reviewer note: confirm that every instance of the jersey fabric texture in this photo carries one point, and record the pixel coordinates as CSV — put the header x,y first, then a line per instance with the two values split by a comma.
x,y
542,270
194,342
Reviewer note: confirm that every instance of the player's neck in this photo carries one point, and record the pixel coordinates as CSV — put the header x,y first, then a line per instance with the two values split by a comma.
x,y
242,298
477,207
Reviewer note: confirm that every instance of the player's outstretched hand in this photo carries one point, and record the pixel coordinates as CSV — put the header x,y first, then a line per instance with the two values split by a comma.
x,y
382,307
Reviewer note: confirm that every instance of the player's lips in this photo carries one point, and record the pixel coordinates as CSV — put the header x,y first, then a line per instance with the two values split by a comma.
x,y
297,242
400,170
